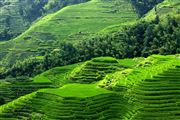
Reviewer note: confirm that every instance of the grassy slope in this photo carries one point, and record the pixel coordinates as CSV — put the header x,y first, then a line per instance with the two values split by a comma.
x,y
130,63
170,7
158,98
77,90
47,106
71,23
16,16
81,18
88,101
156,91
94,70
57,76
138,79
97,68
147,68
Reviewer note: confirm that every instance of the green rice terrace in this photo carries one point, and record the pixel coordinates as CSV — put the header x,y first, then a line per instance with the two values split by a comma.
x,y
90,60
94,70
103,88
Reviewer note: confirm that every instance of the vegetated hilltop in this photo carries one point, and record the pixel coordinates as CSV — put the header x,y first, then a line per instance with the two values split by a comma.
x,y
13,88
17,15
88,72
72,23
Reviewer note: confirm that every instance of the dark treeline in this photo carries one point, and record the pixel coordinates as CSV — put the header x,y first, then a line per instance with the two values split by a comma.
x,y
143,6
142,39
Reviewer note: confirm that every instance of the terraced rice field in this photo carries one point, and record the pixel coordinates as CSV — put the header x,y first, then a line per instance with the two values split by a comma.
x,y
151,98
159,98
13,91
95,70
58,76
48,106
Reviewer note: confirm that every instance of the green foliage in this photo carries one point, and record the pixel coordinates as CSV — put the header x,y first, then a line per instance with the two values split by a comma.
x,y
143,6
130,63
142,39
43,105
152,66
159,36
113,80
17,15
77,90
158,93
94,70
57,76
73,23
2,101
145,38
105,60
28,67
167,7
147,89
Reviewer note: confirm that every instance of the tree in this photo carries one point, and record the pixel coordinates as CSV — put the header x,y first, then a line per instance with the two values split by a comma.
x,y
2,100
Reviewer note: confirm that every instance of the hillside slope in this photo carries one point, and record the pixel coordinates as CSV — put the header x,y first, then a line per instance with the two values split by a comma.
x,y
139,38
145,94
167,7
80,102
17,15
159,96
71,23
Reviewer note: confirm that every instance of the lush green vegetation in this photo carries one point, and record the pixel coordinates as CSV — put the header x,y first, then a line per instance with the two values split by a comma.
x,y
10,90
57,76
130,63
170,7
94,70
148,68
49,106
46,34
142,39
74,90
142,89
158,96
17,15
94,64
143,6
